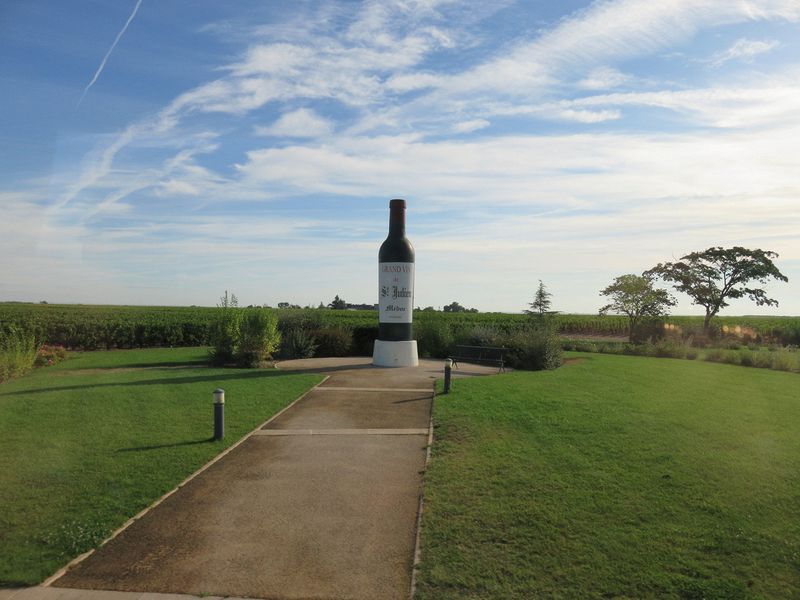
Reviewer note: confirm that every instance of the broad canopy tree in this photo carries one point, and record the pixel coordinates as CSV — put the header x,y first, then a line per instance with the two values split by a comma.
x,y
716,275
635,296
456,307
337,303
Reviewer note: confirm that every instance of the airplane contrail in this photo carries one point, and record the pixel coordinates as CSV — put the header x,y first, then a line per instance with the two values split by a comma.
x,y
110,50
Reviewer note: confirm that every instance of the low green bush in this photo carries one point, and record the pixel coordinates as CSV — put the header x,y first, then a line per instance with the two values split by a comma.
x,y
534,350
297,343
301,320
333,341
611,348
480,335
224,331
435,339
731,357
581,346
786,360
746,358
669,348
17,351
364,340
729,343
244,337
648,348
630,349
763,359
258,339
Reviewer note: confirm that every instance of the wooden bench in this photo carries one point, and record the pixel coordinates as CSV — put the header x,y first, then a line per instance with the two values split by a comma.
x,y
484,355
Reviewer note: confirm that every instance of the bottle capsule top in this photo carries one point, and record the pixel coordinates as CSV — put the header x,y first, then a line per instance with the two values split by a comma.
x,y
397,203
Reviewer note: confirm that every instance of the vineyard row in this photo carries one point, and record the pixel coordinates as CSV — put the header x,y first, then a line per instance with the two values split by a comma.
x,y
88,327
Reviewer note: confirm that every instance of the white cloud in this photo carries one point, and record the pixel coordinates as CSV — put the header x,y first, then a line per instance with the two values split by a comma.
x,y
384,40
574,111
175,187
412,81
378,58
470,126
763,102
378,19
587,116
603,78
565,170
274,59
605,32
582,47
304,123
99,168
743,49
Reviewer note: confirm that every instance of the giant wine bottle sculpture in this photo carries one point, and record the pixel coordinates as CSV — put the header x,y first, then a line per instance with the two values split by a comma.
x,y
395,346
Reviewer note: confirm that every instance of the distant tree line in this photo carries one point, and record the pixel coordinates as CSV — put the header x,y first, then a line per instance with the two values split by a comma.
x,y
340,304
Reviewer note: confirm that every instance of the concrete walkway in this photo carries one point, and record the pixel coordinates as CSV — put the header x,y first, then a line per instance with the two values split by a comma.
x,y
320,503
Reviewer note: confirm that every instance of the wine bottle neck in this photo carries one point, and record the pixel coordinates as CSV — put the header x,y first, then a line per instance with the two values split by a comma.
x,y
397,222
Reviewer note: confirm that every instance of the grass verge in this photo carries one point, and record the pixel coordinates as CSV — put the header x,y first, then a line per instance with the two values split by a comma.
x,y
615,476
87,444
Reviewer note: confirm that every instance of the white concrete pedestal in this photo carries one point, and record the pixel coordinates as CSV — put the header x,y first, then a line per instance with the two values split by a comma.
x,y
395,354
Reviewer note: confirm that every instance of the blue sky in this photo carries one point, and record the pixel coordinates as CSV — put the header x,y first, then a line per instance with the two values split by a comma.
x,y
254,146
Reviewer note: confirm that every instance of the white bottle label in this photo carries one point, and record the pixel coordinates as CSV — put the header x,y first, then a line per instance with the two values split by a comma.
x,y
395,292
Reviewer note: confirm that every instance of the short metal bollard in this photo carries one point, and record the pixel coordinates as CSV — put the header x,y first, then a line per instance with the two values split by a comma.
x,y
219,413
448,367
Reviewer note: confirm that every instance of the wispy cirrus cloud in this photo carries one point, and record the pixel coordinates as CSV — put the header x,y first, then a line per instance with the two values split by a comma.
x,y
580,48
568,170
535,140
380,58
761,102
470,126
375,63
604,78
301,123
744,50
610,31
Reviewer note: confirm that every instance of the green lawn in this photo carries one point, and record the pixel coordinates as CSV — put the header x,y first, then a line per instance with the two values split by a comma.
x,y
615,477
87,444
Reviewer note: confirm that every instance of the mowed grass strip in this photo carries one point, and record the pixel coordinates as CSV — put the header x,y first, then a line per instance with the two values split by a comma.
x,y
89,443
615,477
